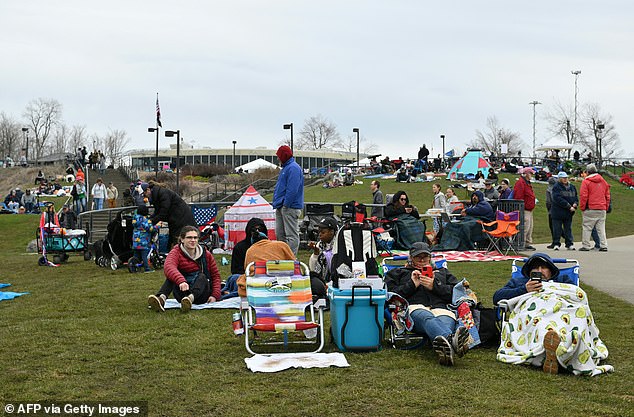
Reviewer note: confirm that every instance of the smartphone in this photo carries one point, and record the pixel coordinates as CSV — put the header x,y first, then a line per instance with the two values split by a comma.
x,y
427,271
537,276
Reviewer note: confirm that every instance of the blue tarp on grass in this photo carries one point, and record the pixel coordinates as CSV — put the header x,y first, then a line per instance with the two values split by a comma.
x,y
8,295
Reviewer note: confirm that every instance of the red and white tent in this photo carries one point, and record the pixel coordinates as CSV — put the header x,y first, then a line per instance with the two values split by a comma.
x,y
250,205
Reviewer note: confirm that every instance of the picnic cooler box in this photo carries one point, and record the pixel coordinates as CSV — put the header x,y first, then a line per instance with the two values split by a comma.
x,y
356,318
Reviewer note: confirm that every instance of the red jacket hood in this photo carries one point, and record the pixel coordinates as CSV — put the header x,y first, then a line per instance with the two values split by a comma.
x,y
595,178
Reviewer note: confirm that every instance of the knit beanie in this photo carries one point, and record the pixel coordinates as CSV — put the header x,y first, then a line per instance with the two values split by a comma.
x,y
284,153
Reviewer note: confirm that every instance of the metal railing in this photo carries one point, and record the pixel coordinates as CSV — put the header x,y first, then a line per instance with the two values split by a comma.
x,y
224,191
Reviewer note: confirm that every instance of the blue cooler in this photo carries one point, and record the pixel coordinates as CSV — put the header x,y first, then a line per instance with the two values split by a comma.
x,y
356,318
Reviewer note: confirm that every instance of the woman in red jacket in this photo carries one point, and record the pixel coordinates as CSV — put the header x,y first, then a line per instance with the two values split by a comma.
x,y
523,190
191,272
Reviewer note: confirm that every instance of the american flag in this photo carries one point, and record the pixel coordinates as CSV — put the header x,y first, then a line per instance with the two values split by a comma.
x,y
158,113
204,215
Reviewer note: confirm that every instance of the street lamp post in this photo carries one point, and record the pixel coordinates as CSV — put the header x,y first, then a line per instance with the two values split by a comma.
x,y
443,150
156,161
356,130
574,131
290,126
233,161
25,131
534,103
600,127
170,134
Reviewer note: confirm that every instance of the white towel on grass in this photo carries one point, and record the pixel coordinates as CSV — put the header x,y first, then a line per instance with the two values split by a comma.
x,y
233,302
280,362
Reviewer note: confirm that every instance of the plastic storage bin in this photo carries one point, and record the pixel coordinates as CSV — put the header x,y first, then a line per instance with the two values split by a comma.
x,y
356,318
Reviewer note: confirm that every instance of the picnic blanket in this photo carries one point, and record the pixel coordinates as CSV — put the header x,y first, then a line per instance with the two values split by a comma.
x,y
228,303
9,295
561,307
280,362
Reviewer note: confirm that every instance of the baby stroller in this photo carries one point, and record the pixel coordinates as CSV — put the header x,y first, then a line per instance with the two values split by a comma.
x,y
155,258
117,244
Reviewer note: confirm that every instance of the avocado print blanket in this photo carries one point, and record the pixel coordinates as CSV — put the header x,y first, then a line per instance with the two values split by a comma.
x,y
563,308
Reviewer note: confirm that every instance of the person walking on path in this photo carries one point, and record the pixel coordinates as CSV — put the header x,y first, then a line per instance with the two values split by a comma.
x,y
564,206
112,193
98,194
523,190
594,202
288,199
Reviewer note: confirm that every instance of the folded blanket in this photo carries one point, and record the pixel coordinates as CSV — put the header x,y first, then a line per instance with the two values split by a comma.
x,y
560,307
276,363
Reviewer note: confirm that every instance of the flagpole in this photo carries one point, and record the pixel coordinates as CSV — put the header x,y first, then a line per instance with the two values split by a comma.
x,y
156,161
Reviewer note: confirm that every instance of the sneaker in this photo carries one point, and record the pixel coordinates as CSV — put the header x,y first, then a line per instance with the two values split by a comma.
x,y
551,246
603,250
444,350
149,271
529,247
570,247
156,303
460,341
551,343
584,249
556,247
186,304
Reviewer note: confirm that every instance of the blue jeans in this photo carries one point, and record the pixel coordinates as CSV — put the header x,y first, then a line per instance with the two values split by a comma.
x,y
80,205
98,203
426,323
595,237
142,254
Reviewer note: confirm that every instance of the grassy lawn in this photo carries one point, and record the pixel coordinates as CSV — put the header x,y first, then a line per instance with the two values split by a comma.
x,y
84,333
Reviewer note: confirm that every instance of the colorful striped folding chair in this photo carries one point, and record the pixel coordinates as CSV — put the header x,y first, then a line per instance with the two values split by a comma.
x,y
278,295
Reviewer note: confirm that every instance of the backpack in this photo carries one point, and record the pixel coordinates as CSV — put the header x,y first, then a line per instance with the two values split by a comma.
x,y
353,211
354,243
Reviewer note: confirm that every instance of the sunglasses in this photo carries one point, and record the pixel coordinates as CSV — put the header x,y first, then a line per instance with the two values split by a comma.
x,y
403,198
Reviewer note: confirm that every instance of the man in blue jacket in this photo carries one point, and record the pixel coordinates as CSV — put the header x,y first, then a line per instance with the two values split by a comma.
x,y
288,199
564,205
479,208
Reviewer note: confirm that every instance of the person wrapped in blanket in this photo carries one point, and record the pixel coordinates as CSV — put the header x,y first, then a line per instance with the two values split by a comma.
x,y
479,208
428,291
191,272
549,322
400,205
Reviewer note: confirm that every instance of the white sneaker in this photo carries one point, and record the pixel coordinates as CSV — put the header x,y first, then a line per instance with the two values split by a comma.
x,y
156,303
186,303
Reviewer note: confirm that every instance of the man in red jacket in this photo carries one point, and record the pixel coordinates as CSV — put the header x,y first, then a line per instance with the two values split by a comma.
x,y
594,200
523,190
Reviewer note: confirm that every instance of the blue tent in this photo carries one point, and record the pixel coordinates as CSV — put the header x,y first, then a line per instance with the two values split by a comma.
x,y
468,166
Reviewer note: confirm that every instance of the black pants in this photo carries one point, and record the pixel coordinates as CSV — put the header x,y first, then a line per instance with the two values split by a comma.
x,y
201,290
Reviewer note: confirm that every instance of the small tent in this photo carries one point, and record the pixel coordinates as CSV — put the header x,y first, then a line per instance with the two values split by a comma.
x,y
468,166
251,204
255,165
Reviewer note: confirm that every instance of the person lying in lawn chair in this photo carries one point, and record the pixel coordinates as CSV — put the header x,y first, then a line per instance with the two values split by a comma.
x,y
549,322
428,291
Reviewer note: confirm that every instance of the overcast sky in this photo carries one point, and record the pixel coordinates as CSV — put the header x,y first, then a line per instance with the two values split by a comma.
x,y
403,72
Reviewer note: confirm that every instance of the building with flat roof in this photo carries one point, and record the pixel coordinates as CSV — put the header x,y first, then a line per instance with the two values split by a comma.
x,y
145,159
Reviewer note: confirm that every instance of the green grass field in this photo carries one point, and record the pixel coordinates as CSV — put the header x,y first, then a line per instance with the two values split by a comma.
x,y
84,333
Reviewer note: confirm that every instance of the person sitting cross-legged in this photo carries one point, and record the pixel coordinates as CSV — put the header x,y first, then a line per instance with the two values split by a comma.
x,y
429,293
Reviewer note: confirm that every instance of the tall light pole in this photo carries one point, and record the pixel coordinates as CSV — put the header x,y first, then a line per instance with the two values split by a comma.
x,y
156,162
599,145
290,126
443,150
574,131
233,161
25,131
534,103
170,134
356,130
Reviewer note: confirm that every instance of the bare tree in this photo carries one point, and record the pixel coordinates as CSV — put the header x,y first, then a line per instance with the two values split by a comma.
x,y
10,137
559,125
114,143
78,138
60,139
318,133
350,145
42,116
494,136
599,133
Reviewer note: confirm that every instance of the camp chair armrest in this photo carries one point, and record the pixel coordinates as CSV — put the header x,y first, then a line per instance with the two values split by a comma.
x,y
244,304
320,304
489,224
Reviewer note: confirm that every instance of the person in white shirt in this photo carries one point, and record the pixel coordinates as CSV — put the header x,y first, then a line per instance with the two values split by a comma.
x,y
98,194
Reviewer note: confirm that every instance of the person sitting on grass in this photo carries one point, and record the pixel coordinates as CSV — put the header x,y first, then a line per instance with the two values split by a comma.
x,y
549,322
191,272
428,294
142,235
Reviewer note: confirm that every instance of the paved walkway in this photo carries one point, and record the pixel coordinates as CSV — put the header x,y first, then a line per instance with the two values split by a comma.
x,y
611,271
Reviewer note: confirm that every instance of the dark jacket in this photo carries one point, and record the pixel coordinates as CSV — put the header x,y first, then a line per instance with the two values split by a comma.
x,y
562,199
399,280
240,249
170,207
482,209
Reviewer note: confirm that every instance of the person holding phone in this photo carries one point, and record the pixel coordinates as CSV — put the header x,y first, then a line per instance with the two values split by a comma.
x,y
428,291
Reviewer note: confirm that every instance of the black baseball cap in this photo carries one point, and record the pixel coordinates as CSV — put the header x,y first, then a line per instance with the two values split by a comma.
x,y
328,223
